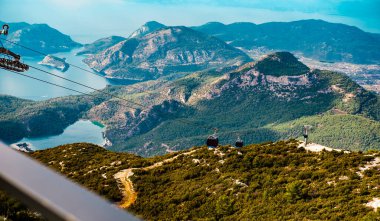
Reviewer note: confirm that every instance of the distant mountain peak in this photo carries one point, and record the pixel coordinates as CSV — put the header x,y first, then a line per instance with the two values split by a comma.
x,y
215,24
147,28
281,63
280,56
175,31
153,23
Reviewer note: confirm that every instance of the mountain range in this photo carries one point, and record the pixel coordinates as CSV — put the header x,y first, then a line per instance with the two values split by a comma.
x,y
269,99
316,39
194,80
155,50
162,52
40,37
197,82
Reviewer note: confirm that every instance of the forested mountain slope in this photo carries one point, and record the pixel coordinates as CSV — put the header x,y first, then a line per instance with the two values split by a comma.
x,y
270,181
249,101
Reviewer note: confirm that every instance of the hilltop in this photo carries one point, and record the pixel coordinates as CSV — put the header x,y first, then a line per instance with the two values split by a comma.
x,y
269,181
146,29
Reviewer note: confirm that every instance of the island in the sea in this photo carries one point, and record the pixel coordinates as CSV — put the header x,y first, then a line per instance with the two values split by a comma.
x,y
55,62
25,147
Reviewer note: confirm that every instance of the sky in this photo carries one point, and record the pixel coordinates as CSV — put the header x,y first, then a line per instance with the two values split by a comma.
x,y
88,20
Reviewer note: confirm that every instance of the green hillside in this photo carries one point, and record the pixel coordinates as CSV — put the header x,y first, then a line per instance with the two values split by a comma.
x,y
269,181
274,181
335,130
258,114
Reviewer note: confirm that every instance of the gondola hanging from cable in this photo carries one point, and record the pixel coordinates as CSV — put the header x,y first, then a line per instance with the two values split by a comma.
x,y
212,140
305,132
8,59
239,142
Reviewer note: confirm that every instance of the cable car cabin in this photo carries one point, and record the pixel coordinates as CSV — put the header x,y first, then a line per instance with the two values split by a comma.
x,y
8,59
11,64
239,143
212,141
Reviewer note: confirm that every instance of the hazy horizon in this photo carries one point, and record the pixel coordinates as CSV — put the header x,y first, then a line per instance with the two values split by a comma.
x,y
89,20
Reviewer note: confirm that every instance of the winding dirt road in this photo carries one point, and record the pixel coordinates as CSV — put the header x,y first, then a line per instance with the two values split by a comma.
x,y
126,186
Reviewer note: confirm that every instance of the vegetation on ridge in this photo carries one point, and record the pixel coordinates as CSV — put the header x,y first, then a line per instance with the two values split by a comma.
x,y
269,181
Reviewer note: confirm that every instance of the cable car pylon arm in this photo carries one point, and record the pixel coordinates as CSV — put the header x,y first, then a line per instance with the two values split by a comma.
x,y
5,30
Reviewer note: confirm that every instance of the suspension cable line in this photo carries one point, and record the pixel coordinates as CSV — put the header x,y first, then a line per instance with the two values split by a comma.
x,y
57,85
91,72
83,85
83,93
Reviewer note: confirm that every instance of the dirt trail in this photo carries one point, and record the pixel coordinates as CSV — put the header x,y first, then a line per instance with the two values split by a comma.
x,y
126,186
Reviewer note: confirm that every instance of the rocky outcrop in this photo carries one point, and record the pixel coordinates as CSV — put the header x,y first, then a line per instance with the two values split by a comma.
x,y
279,73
